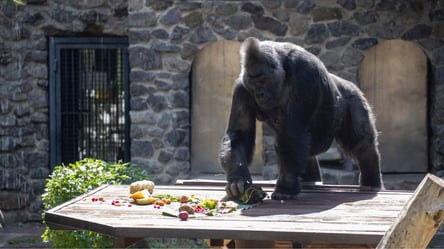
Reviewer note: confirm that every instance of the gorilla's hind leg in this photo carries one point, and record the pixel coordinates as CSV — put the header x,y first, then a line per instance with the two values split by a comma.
x,y
367,156
312,171
357,136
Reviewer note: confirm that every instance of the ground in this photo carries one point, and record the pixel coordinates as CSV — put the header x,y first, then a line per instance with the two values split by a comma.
x,y
26,235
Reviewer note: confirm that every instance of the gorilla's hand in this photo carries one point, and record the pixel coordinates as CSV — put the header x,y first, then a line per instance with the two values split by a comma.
x,y
238,180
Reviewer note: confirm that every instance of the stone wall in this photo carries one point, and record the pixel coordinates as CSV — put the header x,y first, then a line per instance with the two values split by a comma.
x,y
24,134
166,35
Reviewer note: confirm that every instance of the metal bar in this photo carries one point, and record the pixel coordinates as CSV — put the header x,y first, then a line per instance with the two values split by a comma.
x,y
93,80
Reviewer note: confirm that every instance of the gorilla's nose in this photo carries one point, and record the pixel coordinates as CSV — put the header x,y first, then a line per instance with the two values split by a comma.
x,y
261,95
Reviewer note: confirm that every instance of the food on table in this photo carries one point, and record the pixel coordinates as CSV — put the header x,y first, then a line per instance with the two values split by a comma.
x,y
141,185
188,205
146,201
252,195
140,194
159,203
184,199
186,208
209,203
183,215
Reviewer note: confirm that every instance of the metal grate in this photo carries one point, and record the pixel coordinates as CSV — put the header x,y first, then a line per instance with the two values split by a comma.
x,y
89,99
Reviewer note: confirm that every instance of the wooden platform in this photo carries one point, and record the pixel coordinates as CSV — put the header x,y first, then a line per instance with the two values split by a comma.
x,y
322,214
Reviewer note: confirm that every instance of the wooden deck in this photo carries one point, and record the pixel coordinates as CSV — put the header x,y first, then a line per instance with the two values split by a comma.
x,y
322,214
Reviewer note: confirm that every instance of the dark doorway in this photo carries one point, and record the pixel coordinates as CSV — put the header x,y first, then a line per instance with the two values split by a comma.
x,y
89,102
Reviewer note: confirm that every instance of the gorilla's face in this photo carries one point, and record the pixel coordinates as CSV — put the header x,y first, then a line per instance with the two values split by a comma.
x,y
262,73
265,87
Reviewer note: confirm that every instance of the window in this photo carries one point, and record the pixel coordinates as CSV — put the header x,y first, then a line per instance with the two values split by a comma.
x,y
89,102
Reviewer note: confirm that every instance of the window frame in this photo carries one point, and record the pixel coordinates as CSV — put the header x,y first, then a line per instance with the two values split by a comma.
x,y
55,125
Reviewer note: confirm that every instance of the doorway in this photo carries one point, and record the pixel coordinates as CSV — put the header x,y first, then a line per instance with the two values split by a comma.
x,y
89,100
393,76
214,71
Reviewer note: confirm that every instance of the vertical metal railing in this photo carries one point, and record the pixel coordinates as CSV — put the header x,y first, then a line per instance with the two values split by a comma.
x,y
92,98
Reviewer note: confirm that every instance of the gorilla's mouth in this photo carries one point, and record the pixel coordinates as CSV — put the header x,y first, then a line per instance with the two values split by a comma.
x,y
265,104
262,96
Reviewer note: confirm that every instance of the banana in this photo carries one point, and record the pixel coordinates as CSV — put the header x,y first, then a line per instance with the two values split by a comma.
x,y
146,201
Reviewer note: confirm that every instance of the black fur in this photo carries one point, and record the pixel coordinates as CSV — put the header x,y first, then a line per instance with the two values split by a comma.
x,y
291,90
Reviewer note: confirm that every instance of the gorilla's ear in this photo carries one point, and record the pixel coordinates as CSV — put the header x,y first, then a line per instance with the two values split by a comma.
x,y
251,57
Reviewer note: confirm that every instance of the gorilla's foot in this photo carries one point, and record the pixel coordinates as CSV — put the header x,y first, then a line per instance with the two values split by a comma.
x,y
373,181
287,188
283,196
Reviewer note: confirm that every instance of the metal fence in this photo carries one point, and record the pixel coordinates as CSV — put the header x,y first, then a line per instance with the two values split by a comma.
x,y
89,99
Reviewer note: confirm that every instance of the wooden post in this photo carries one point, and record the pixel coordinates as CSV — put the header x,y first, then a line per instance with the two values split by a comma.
x,y
420,218
254,243
121,242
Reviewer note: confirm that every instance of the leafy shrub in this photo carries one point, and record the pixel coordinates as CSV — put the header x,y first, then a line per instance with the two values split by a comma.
x,y
67,182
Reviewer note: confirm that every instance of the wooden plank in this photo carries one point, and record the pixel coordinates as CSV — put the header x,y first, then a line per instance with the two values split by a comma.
x,y
348,215
420,218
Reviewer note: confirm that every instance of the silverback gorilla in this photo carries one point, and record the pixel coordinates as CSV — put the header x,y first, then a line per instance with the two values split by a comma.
x,y
290,89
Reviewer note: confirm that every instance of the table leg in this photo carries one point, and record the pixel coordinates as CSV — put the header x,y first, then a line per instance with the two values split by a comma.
x,y
123,242
216,242
254,243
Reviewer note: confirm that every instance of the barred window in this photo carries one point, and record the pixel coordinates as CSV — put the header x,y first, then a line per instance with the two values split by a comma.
x,y
89,100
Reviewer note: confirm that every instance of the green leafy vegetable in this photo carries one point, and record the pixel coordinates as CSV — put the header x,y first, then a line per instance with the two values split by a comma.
x,y
252,195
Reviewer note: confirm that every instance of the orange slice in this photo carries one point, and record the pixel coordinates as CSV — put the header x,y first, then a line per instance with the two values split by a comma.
x,y
140,194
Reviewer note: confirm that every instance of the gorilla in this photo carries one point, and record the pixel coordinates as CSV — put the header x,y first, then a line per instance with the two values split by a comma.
x,y
290,89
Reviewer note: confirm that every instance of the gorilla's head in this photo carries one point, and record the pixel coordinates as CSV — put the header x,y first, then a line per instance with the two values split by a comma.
x,y
262,72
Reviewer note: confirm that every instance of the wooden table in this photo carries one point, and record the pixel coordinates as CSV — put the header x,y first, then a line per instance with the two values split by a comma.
x,y
321,214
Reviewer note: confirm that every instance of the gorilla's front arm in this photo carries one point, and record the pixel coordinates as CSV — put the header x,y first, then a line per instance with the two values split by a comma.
x,y
238,143
292,148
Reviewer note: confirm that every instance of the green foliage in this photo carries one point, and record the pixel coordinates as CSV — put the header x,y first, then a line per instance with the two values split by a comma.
x,y
67,182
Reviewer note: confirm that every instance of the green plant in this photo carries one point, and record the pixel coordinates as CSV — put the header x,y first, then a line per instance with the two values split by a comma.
x,y
67,182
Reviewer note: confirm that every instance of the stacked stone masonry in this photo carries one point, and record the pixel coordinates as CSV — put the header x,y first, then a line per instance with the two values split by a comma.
x,y
165,36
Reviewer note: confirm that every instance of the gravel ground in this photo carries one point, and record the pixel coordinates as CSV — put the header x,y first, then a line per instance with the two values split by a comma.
x,y
25,235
